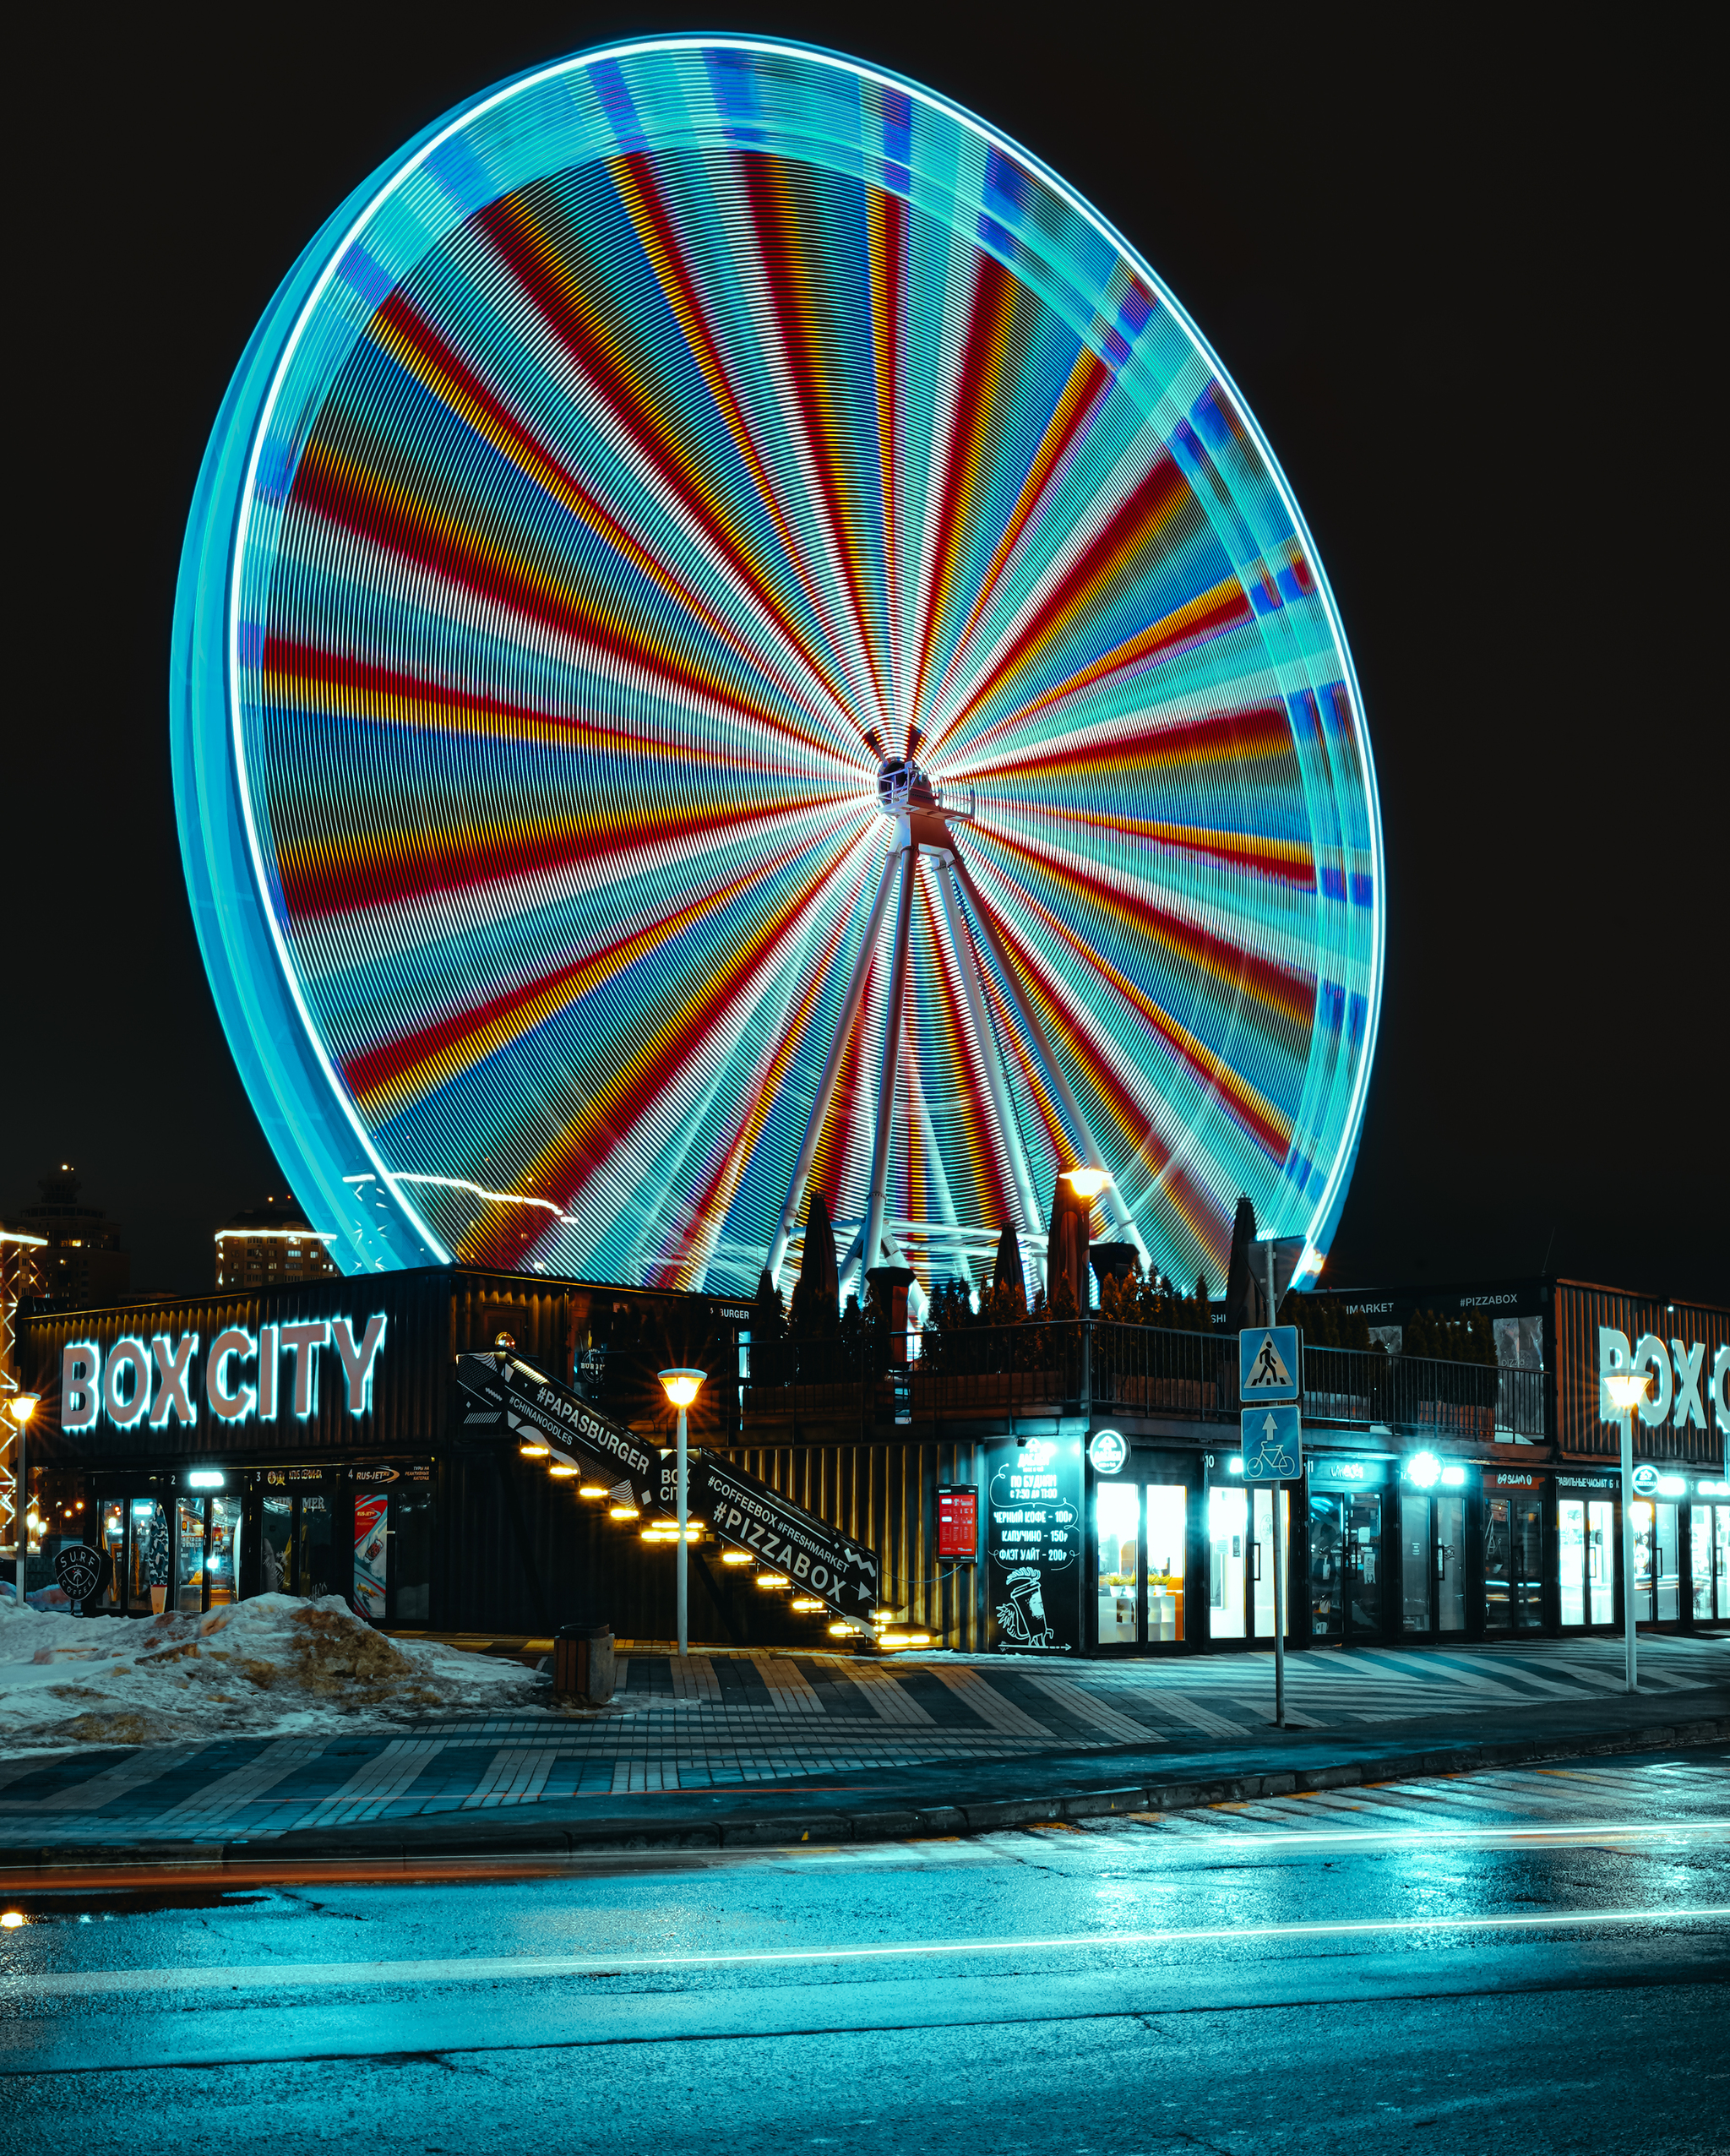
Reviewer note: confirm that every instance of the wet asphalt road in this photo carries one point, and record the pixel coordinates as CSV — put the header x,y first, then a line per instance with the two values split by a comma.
x,y
1530,1961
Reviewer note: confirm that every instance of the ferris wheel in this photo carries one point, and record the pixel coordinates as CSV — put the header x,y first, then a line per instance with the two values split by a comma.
x,y
734,640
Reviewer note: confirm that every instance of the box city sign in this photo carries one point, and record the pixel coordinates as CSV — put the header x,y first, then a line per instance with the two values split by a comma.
x,y
158,1381
1673,1381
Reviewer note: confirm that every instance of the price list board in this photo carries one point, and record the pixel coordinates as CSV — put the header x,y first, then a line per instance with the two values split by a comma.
x,y
1033,1549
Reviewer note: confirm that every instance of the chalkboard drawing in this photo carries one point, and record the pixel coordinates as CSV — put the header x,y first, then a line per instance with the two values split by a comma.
x,y
1024,1609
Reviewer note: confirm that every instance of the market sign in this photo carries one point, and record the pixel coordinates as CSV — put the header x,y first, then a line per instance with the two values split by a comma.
x,y
241,1377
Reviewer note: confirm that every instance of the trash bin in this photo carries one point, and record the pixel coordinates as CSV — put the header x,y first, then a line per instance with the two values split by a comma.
x,y
583,1668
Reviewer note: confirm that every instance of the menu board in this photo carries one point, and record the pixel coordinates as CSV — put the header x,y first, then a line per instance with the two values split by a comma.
x,y
957,1522
1033,1547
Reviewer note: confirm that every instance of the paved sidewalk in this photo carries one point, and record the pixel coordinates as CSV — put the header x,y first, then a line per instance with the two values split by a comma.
x,y
713,1736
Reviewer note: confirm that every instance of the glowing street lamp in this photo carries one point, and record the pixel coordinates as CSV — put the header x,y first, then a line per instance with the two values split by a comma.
x,y
1627,1390
1087,1181
21,1406
681,1387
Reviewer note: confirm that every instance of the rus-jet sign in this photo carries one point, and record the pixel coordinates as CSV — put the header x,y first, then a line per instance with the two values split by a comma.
x,y
1672,1393
275,1373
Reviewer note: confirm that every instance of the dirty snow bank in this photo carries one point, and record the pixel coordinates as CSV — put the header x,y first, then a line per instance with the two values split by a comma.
x,y
270,1665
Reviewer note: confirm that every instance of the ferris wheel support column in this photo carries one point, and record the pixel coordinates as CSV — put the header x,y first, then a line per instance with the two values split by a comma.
x,y
894,1019
1024,1003
831,1072
997,1083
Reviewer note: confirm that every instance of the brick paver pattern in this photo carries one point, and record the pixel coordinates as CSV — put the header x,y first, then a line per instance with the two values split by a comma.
x,y
720,1720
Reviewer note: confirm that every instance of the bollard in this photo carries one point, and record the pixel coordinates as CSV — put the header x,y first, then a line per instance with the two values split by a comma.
x,y
582,1666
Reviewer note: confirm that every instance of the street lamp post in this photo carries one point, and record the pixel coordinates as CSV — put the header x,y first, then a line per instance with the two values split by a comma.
x,y
680,1387
1627,1389
21,1406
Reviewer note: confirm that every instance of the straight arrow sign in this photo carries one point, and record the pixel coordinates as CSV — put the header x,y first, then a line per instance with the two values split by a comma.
x,y
1273,1443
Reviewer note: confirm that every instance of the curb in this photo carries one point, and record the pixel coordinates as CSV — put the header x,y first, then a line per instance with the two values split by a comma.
x,y
445,1836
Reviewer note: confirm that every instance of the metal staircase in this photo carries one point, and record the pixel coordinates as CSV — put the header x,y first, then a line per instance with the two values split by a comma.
x,y
790,1550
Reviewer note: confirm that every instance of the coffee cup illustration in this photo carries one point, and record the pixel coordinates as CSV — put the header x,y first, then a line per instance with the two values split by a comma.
x,y
1022,1617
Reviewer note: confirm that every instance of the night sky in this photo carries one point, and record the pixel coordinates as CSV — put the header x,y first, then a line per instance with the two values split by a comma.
x,y
1464,286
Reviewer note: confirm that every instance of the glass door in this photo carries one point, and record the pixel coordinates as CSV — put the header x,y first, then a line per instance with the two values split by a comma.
x,y
189,1560
1699,1562
1345,1566
1116,1516
1600,1545
1167,1515
1513,1563
1228,1562
1657,1582
1417,1569
1261,1584
1666,1563
1450,1564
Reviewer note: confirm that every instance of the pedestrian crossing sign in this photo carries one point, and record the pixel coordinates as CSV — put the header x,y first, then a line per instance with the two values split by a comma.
x,y
1267,1362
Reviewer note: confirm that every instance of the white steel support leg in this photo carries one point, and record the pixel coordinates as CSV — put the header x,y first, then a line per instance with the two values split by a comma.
x,y
996,1080
1024,1003
831,1072
894,1018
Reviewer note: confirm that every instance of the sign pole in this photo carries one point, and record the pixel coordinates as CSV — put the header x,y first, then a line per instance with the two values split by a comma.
x,y
1631,1673
1276,1494
683,1510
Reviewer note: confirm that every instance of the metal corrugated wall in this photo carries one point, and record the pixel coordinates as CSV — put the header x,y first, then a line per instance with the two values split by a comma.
x,y
883,1495
1580,1308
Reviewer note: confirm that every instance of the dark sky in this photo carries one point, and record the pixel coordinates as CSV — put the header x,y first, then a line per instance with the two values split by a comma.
x,y
1463,285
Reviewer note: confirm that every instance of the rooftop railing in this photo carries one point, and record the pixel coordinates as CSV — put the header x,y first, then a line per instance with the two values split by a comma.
x,y
1088,1366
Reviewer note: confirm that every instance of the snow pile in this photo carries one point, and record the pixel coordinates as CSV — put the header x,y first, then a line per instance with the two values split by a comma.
x,y
272,1664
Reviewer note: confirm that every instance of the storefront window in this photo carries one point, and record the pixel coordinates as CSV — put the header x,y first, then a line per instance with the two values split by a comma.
x,y
277,1552
222,1545
113,1544
1228,1561
1168,1533
372,1556
190,1566
1119,1562
411,1548
147,1572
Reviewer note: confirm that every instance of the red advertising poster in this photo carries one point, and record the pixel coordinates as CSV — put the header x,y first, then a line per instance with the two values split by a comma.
x,y
958,1523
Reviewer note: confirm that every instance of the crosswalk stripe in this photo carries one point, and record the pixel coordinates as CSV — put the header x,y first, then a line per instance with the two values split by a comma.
x,y
1089,1709
971,1688
244,1785
1189,1715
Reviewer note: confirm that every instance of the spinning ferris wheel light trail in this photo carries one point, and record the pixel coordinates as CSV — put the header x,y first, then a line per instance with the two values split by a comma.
x,y
644,488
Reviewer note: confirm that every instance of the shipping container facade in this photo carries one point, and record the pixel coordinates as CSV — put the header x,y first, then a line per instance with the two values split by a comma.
x,y
1439,1499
